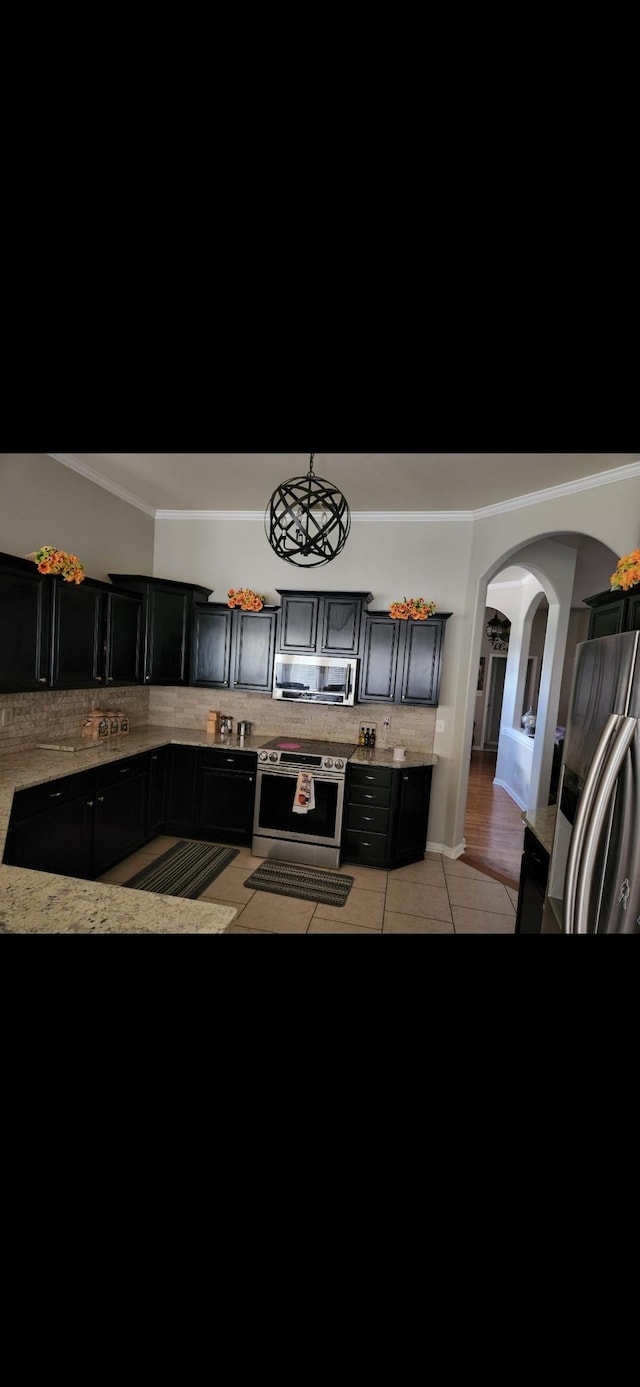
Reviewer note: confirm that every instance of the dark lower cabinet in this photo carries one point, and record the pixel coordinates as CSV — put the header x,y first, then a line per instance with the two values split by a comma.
x,y
386,815
181,790
59,837
158,775
121,812
225,795
534,871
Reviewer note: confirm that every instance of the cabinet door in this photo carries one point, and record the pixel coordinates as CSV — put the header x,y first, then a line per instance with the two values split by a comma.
x,y
77,646
181,790
254,650
168,617
530,903
380,660
225,805
211,646
341,620
422,661
411,814
299,623
632,621
123,638
158,772
58,840
608,620
25,623
120,823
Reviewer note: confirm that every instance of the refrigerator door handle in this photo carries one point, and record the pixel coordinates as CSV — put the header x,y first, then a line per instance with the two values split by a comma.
x,y
604,793
581,822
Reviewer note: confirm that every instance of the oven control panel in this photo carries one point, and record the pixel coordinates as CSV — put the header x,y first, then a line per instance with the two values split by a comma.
x,y
302,761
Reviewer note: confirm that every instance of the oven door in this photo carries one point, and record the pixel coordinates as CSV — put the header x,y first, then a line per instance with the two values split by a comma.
x,y
274,816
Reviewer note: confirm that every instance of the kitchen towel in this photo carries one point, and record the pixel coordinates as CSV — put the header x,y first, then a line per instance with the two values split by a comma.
x,y
304,798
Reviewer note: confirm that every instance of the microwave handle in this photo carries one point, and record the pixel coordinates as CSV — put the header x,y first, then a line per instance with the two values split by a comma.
x,y
349,671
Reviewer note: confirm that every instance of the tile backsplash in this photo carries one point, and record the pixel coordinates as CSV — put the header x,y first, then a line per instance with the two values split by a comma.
x,y
27,718
410,727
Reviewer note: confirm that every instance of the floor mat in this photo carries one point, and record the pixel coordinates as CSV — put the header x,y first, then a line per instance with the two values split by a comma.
x,y
286,879
186,869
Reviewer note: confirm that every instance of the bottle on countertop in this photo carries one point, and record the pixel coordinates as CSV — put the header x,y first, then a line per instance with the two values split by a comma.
x,y
361,737
372,737
367,738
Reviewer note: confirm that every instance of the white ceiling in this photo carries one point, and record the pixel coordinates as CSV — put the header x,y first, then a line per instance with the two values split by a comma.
x,y
369,481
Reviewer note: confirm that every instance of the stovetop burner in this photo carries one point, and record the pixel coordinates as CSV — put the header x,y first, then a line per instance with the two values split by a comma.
x,y
307,746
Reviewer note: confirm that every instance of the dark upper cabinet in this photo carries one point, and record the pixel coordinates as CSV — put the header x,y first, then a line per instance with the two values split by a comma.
x,y
323,623
77,653
25,626
402,660
254,644
123,644
613,612
211,645
167,620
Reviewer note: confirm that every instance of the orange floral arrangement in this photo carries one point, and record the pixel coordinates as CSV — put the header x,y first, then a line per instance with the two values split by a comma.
x,y
50,560
247,600
415,607
627,573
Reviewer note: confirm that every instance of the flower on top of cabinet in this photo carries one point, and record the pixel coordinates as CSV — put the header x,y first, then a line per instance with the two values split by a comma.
x,y
50,560
246,599
415,607
627,573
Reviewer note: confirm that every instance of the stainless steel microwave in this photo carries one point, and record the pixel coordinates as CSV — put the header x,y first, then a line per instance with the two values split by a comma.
x,y
315,679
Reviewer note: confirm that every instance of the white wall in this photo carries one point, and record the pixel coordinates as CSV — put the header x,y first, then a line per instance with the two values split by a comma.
x,y
44,502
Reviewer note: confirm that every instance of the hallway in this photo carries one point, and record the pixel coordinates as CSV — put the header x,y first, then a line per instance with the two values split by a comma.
x,y
493,826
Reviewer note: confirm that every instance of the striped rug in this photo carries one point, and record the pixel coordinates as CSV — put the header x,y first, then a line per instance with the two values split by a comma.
x,y
285,879
186,869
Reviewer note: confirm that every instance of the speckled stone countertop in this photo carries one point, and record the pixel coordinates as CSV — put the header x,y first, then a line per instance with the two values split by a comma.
x,y
44,903
378,756
542,823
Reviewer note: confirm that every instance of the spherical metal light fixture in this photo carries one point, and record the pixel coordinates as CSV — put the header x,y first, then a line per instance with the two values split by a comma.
x,y
307,520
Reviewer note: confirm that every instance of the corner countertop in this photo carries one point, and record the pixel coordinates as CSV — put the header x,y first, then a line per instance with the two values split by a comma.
x,y
542,823
381,756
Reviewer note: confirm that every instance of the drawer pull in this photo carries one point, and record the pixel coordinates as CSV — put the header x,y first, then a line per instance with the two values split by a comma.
x,y
124,769
100,799
368,796
370,777
365,845
154,758
230,760
42,679
89,804
367,818
55,794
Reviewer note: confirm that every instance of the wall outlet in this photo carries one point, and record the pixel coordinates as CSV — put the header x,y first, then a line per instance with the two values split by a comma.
x,y
439,724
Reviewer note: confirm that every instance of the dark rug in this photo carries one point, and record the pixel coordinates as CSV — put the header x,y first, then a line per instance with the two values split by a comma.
x,y
186,869
286,879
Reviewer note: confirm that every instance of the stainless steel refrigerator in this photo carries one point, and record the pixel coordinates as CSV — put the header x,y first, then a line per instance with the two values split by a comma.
x,y
594,872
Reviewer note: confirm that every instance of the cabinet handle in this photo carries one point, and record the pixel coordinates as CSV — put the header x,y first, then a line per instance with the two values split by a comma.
x,y
147,678
368,796
124,769
369,777
225,684
100,799
230,760
89,804
365,845
109,679
367,819
98,678
405,777
55,794
154,758
42,679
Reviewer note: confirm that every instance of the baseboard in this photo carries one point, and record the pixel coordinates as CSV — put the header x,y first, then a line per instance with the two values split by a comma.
x,y
502,786
445,851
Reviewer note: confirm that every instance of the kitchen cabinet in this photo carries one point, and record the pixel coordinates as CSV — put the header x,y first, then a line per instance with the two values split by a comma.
x,y
402,660
121,810
51,826
25,623
321,623
181,790
613,612
386,815
123,638
534,871
226,785
233,649
77,651
167,624
158,775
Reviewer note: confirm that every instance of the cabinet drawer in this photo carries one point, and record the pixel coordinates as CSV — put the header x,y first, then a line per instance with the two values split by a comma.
x,y
38,798
370,794
370,775
221,759
367,818
118,771
370,848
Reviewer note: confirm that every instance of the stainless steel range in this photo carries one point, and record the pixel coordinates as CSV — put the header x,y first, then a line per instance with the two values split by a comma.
x,y
283,832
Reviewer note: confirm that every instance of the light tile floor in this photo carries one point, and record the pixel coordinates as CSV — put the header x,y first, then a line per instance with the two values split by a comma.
x,y
435,896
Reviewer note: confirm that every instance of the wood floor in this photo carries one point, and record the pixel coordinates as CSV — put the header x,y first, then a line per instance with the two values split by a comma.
x,y
493,827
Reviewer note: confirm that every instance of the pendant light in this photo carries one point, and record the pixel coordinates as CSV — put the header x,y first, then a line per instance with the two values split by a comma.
x,y
307,520
499,631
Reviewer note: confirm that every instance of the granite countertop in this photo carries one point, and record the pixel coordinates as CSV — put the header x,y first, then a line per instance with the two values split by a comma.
x,y
41,902
542,823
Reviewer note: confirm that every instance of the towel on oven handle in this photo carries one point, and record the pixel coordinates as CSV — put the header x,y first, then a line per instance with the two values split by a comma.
x,y
304,798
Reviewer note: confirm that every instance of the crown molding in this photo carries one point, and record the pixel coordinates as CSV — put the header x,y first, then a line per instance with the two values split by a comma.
x,y
533,498
68,460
